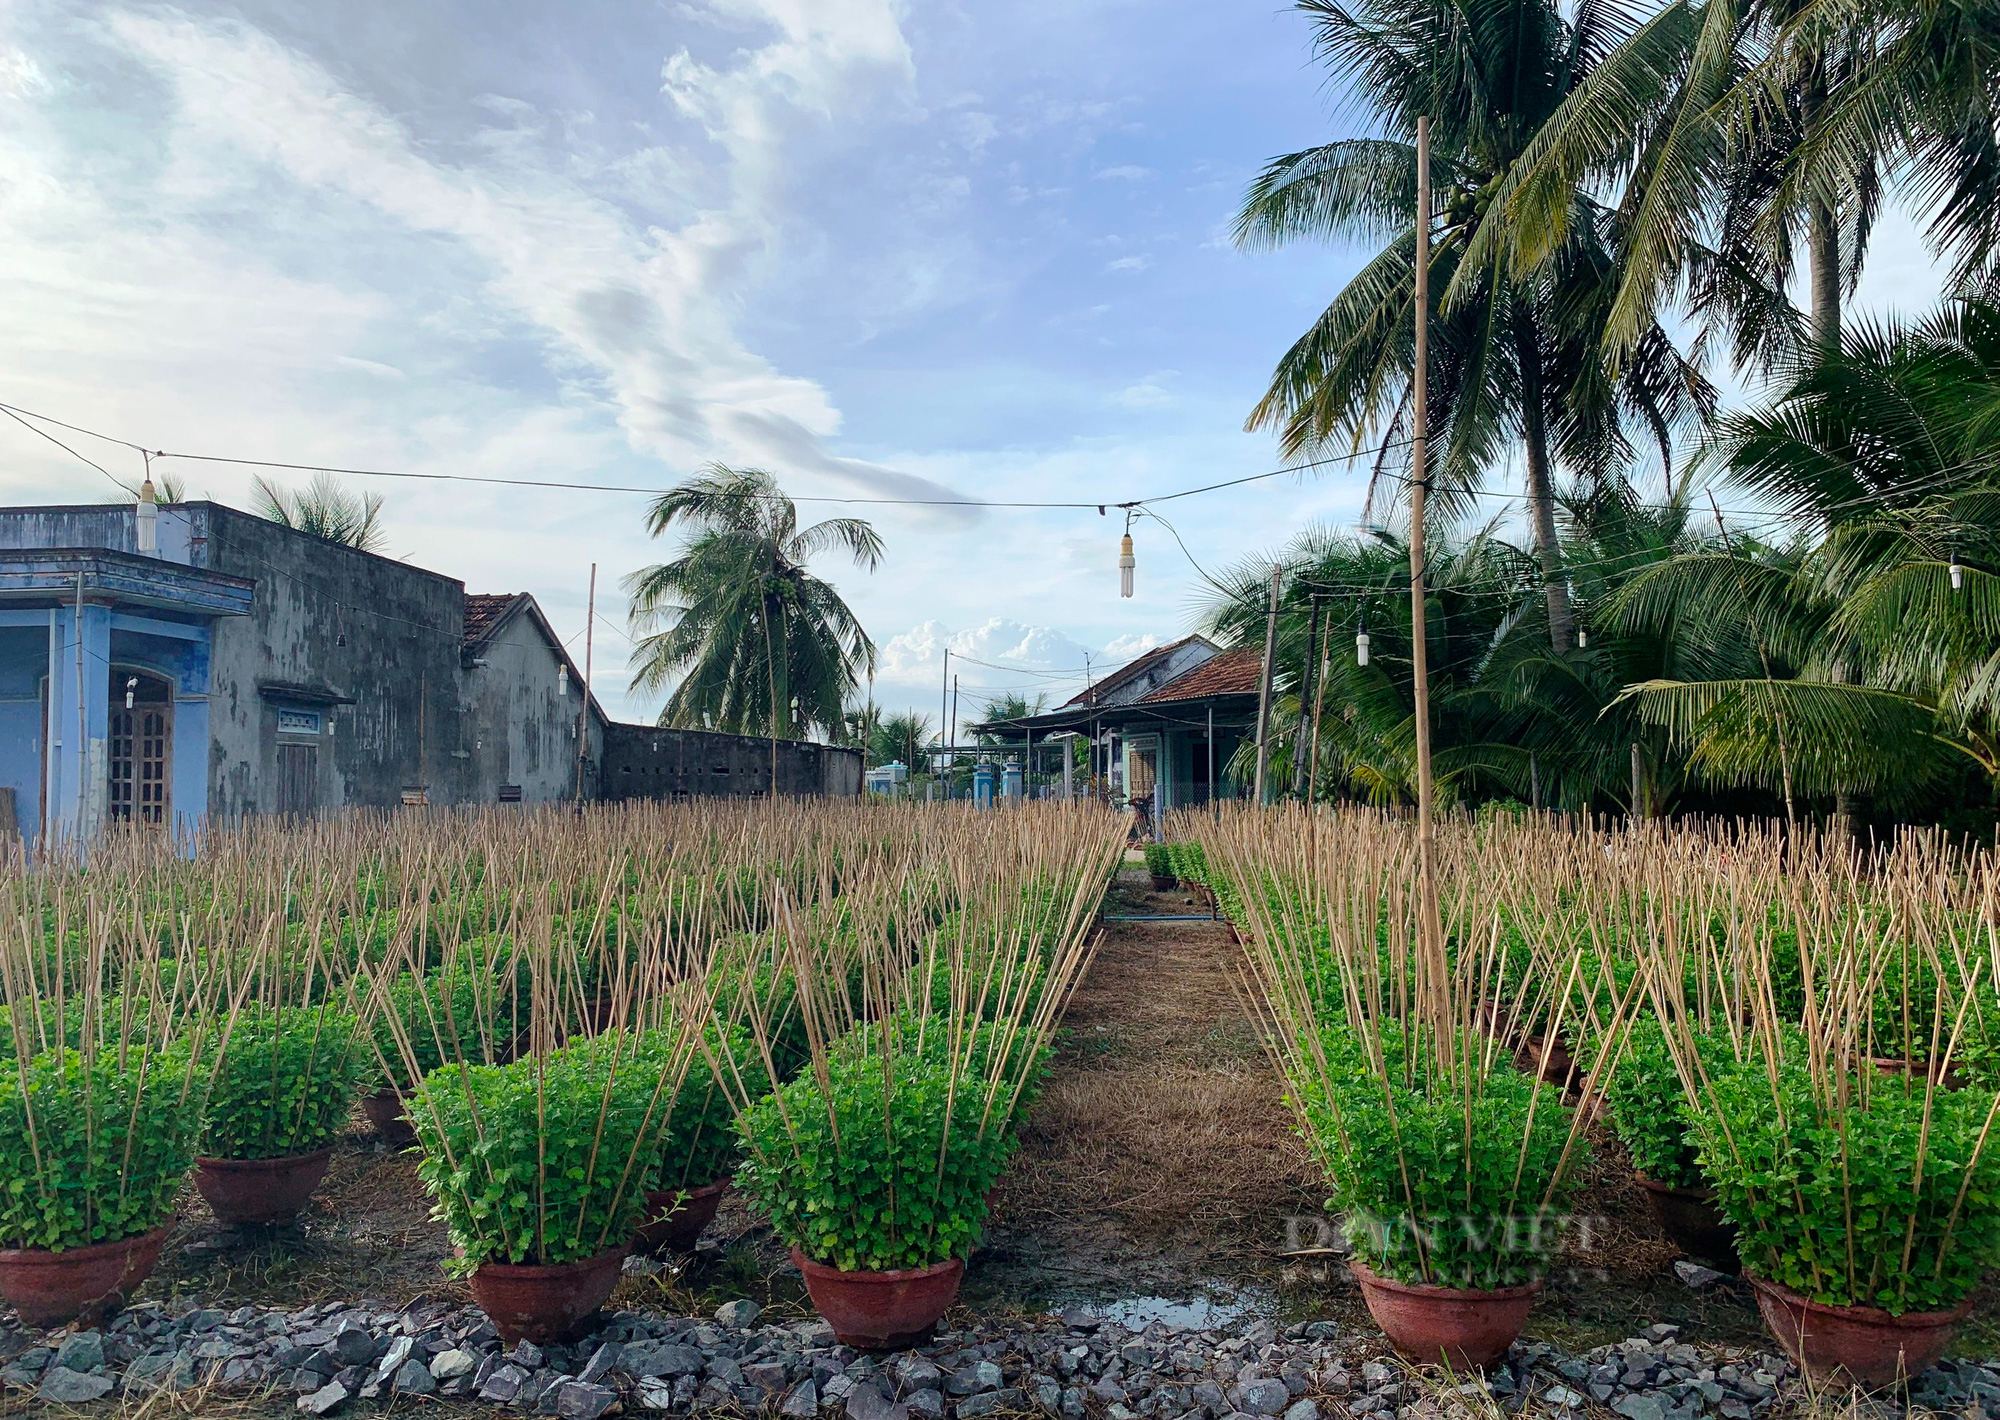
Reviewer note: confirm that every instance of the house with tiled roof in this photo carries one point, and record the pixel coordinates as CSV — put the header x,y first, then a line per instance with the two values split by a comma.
x,y
182,664
1161,729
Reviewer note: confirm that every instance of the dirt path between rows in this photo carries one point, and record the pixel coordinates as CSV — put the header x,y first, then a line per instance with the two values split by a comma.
x,y
1160,1156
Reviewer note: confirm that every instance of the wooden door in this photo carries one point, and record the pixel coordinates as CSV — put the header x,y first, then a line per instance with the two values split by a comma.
x,y
140,766
298,779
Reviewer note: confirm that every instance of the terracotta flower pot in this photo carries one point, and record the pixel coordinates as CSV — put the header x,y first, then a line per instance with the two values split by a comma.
x,y
391,1121
679,1230
881,1311
526,1302
260,1190
1689,1219
1548,1060
1861,1345
1464,1329
53,1288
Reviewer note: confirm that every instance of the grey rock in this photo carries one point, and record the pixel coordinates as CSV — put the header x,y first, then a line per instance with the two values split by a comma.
x,y
929,1404
660,1358
580,1400
1047,1395
802,1403
1302,1410
981,1376
503,1384
1321,1331
1106,1390
414,1378
866,1402
917,1372
82,1351
1208,1395
601,1363
770,1377
1072,1403
449,1365
355,1347
527,1355
657,1393
1641,1405
62,1386
725,1370
1081,1319
324,1401
740,1314
1265,1397
398,1351
206,1319
988,1402
1562,1397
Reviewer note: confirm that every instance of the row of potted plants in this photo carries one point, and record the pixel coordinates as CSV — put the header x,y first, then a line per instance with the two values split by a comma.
x,y
1774,1035
584,1059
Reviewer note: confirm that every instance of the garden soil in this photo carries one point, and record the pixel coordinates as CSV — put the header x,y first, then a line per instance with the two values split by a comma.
x,y
1158,1176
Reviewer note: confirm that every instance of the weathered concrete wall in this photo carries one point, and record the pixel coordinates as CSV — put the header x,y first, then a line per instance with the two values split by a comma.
x,y
369,644
647,762
522,730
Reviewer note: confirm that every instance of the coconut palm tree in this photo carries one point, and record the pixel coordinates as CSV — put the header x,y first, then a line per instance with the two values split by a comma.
x,y
324,509
902,737
1876,635
1515,353
756,643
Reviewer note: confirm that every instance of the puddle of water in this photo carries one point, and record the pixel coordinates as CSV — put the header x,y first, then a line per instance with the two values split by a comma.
x,y
1188,1313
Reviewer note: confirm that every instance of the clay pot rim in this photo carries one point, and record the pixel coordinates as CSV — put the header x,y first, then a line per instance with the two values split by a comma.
x,y
1703,1194
1459,1294
221,1165
534,1271
1872,1316
901,1274
88,1252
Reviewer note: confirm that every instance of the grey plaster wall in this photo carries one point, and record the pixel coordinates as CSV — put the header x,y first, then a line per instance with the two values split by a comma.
x,y
522,730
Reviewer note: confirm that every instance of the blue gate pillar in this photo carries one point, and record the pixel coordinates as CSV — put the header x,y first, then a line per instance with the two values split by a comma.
x,y
79,720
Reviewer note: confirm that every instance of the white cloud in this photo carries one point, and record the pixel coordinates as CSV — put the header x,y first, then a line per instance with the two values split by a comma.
x,y
1128,263
639,316
1125,172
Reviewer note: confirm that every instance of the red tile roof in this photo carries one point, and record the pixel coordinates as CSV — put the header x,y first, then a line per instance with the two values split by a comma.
x,y
1232,672
1126,672
483,611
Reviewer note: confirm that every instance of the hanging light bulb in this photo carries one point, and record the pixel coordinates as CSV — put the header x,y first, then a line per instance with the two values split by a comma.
x,y
1126,561
1582,639
1957,574
131,685
562,680
1361,644
149,520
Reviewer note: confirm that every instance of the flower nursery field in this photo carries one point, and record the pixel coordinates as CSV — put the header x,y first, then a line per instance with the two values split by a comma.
x,y
479,1081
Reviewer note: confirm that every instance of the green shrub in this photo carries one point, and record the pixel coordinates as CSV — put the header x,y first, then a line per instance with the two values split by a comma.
x,y
1893,1204
700,1144
1160,860
1649,1107
885,1168
1454,1186
285,1083
542,1160
96,1149
443,1016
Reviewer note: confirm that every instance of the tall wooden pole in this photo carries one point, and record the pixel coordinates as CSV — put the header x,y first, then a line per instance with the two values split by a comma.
x,y
1264,683
1430,929
1300,743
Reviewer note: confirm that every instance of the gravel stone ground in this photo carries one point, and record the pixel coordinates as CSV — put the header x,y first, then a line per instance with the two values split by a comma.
x,y
338,1358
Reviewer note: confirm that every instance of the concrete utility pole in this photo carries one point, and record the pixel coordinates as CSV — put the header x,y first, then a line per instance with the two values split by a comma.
x,y
1264,683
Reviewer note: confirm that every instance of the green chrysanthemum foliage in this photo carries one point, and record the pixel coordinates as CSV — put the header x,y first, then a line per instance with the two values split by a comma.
x,y
700,1144
1442,1184
885,1166
456,1014
92,1150
1649,1106
1894,1203
1160,860
286,1080
542,1161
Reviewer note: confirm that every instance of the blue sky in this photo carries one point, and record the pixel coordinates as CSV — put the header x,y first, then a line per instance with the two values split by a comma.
x,y
885,249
